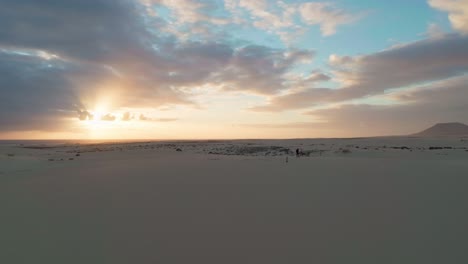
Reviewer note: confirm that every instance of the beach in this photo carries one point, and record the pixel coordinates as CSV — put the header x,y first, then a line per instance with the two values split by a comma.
x,y
392,200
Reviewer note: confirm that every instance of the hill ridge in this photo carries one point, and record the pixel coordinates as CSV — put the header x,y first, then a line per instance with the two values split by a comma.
x,y
445,129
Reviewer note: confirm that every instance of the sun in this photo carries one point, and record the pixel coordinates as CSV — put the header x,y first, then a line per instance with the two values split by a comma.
x,y
95,121
98,114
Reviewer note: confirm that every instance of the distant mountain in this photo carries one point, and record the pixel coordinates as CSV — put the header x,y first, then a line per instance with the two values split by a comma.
x,y
445,129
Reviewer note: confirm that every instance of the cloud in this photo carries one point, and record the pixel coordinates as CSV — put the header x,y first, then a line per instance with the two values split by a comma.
x,y
209,19
435,31
146,118
317,77
40,94
410,64
295,100
187,11
85,115
259,69
57,53
400,67
326,15
252,68
127,116
281,18
457,10
188,18
289,125
263,15
413,111
443,101
336,60
108,117
59,58
166,119
77,29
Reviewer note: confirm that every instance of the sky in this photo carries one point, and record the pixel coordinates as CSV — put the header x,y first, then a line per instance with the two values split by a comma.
x,y
229,69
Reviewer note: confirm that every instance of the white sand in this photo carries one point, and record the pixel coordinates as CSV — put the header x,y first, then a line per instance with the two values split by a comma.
x,y
147,203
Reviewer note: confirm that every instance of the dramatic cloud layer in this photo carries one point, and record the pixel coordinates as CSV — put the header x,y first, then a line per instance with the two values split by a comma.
x,y
138,59
399,67
64,63
59,52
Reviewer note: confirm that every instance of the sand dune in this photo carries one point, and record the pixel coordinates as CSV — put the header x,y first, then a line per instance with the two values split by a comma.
x,y
376,200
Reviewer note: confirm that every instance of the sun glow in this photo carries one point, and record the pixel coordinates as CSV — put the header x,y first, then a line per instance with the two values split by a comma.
x,y
98,113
